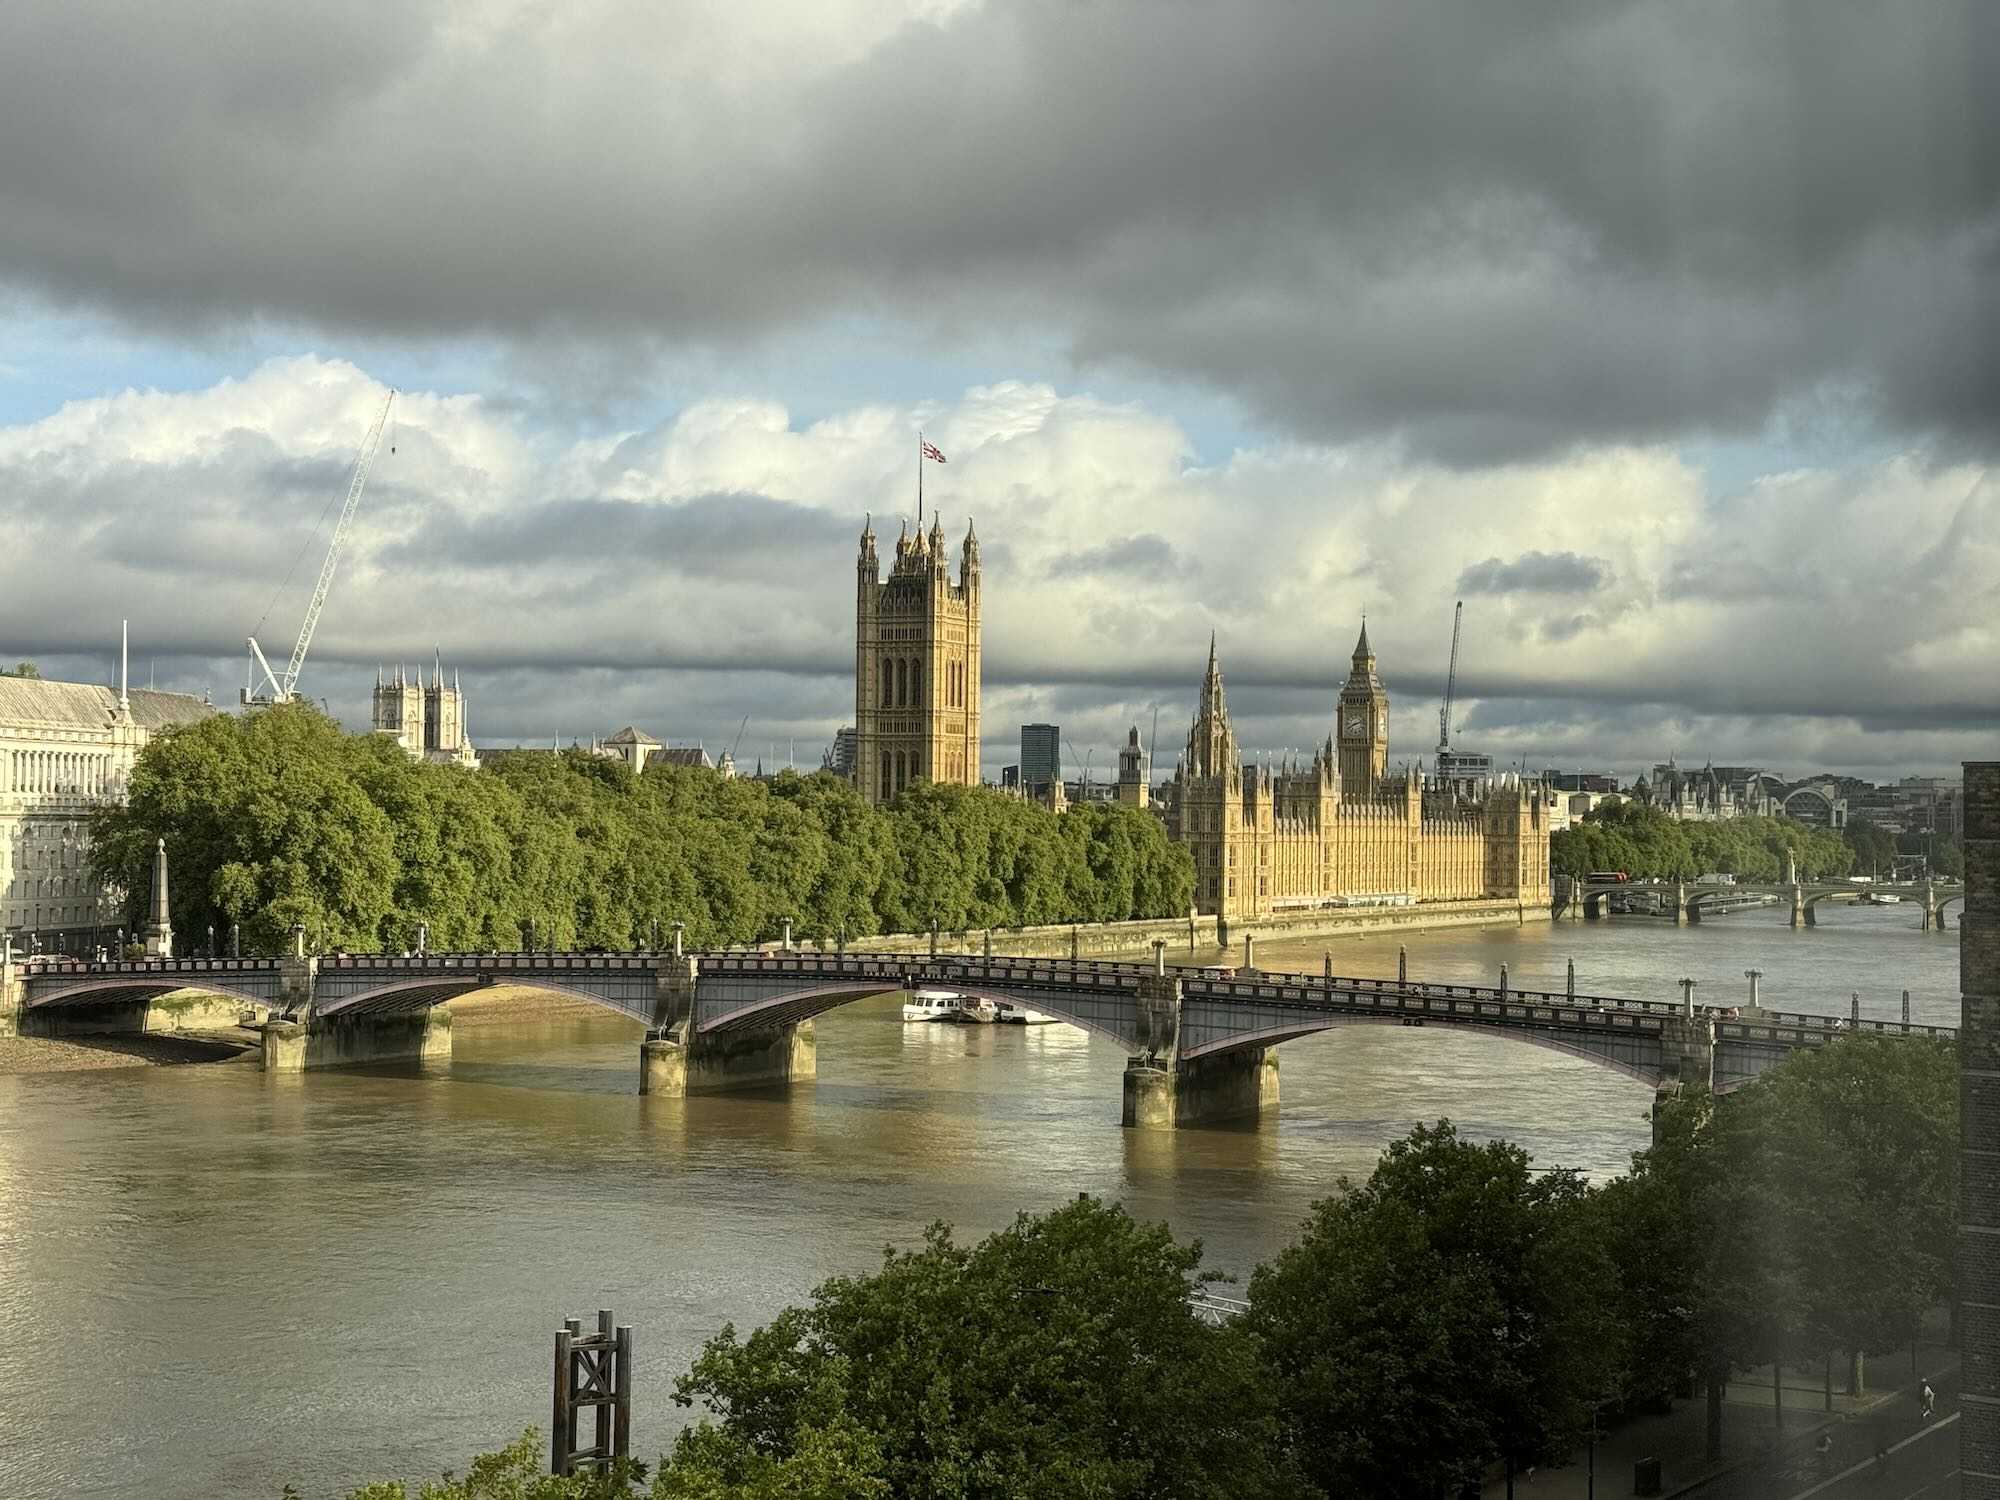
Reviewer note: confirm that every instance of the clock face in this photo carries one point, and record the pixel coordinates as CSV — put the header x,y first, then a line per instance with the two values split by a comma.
x,y
1354,723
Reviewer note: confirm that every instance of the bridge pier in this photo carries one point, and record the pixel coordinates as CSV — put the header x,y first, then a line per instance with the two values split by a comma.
x,y
13,990
1687,1058
1682,916
1802,914
676,1063
1201,1091
346,1041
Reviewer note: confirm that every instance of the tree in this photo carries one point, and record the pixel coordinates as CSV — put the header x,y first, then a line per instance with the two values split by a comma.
x,y
1058,1357
1874,846
22,669
1454,1309
514,1473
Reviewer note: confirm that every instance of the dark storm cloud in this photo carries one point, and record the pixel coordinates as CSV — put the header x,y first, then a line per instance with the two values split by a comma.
x,y
716,536
1536,573
1493,229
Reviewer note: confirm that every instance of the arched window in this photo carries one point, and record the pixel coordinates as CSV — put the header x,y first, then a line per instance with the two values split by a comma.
x,y
887,790
902,683
884,694
916,764
916,683
901,781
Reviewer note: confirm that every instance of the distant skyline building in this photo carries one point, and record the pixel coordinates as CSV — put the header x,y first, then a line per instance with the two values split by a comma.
x,y
1041,754
916,665
1132,765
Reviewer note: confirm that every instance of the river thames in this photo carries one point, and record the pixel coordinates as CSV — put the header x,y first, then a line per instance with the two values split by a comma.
x,y
214,1282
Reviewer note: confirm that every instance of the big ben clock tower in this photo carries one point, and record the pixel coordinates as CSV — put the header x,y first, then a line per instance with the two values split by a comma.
x,y
1362,732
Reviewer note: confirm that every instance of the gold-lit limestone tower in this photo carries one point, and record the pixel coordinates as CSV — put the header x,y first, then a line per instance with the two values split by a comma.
x,y
1206,812
916,665
1362,733
399,709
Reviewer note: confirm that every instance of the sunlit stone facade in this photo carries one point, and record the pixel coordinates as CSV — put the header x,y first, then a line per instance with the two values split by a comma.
x,y
1342,827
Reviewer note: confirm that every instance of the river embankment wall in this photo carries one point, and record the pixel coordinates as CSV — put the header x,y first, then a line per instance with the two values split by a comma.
x,y
1198,933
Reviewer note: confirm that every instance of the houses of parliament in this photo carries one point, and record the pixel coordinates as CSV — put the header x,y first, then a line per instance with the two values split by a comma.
x,y
1337,829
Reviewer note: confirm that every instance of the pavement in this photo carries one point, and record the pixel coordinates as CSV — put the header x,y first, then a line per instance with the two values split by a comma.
x,y
1763,1462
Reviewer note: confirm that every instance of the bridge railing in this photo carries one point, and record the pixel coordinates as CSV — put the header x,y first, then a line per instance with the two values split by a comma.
x,y
145,966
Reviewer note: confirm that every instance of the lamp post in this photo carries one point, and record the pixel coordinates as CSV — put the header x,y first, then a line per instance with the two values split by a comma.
x,y
1753,975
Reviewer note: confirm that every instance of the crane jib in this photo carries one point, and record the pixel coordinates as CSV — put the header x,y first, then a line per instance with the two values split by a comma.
x,y
281,689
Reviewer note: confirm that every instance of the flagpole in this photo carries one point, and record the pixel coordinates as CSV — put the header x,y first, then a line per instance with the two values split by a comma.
x,y
920,483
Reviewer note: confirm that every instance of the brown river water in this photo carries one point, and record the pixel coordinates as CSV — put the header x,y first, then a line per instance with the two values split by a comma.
x,y
213,1283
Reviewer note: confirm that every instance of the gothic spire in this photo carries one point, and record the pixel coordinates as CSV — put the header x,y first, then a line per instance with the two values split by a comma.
x,y
1363,652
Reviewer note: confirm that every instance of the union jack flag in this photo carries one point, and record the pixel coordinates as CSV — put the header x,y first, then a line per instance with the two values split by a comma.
x,y
930,451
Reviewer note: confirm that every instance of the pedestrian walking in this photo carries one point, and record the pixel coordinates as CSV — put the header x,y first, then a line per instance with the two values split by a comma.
x,y
1824,1448
1927,1400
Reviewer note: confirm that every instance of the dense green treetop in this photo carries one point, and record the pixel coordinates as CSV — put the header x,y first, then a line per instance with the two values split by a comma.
x,y
1056,1358
1620,834
1455,1309
277,818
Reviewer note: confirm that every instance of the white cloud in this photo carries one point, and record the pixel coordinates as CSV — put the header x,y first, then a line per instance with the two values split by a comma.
x,y
706,563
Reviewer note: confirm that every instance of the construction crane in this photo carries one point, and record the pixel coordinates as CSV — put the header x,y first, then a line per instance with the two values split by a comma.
x,y
281,689
1450,682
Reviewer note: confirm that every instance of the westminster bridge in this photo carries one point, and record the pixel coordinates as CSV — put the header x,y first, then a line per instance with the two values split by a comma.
x,y
1685,900
1201,1046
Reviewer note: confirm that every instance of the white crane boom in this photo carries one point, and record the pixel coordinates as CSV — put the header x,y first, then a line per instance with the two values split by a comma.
x,y
1450,680
281,690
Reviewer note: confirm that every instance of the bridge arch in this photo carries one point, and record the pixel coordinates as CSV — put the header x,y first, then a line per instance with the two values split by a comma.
x,y
1304,1027
797,1006
423,990
109,991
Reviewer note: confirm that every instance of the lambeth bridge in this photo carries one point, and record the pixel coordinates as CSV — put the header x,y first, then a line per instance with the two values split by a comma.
x,y
1684,901
1201,1046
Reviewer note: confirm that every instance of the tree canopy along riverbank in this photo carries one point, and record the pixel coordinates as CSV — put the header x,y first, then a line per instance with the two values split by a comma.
x,y
1646,844
278,818
1461,1310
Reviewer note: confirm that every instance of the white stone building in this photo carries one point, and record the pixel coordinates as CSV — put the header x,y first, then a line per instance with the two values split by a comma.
x,y
65,749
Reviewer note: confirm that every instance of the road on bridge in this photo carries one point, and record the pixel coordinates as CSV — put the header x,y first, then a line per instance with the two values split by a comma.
x,y
1890,1453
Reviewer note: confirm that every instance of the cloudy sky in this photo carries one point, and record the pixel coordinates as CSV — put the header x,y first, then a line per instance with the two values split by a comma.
x,y
1665,335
